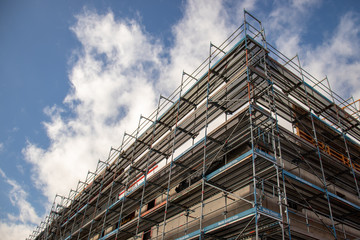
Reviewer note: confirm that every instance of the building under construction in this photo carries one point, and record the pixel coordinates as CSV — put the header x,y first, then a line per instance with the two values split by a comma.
x,y
249,146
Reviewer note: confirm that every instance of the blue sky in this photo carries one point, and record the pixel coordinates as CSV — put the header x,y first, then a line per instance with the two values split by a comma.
x,y
74,75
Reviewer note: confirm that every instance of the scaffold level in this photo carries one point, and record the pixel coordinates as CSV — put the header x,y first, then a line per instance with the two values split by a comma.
x,y
249,146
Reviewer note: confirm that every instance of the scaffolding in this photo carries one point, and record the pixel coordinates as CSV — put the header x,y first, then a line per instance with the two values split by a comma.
x,y
249,146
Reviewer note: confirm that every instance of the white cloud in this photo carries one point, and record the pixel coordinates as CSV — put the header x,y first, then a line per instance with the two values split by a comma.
x,y
13,231
338,57
110,88
18,226
1,147
287,22
203,21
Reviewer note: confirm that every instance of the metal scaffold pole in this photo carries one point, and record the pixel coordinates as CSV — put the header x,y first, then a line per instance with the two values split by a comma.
x,y
73,205
255,204
80,205
201,236
106,171
172,159
117,172
318,151
275,136
62,218
132,159
343,134
94,183
150,149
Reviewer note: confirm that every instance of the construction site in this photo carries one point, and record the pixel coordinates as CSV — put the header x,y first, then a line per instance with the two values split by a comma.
x,y
249,146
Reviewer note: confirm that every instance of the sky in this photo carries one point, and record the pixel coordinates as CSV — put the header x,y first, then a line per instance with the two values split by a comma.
x,y
75,75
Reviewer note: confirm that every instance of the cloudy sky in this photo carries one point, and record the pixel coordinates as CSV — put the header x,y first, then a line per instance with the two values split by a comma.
x,y
74,75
